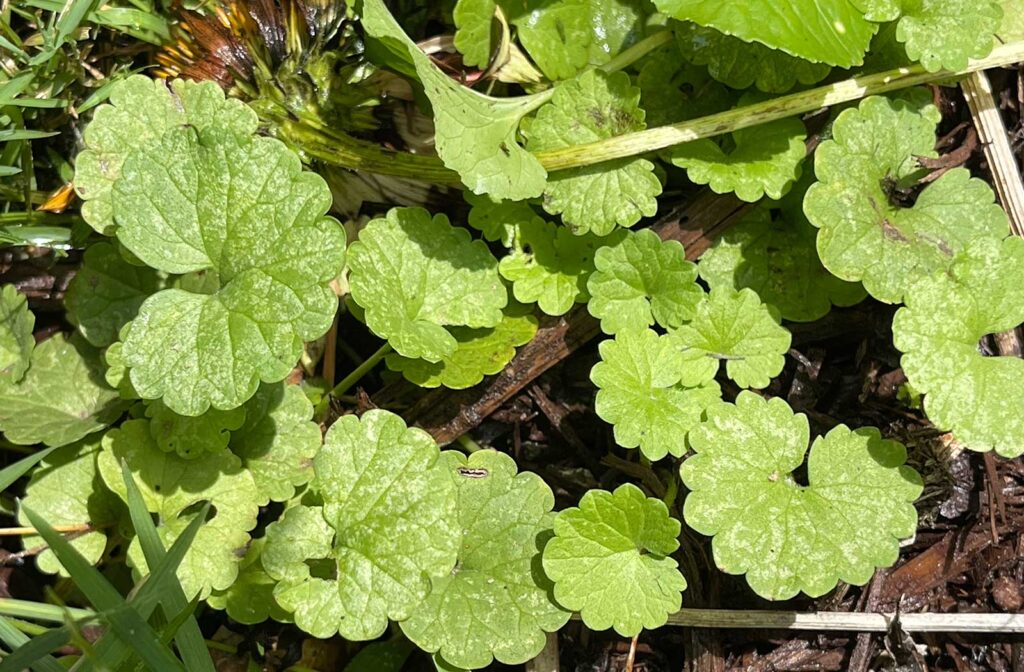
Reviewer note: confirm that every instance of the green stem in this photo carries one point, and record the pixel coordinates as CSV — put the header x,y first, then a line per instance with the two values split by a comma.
x,y
468,444
41,611
642,142
637,51
360,371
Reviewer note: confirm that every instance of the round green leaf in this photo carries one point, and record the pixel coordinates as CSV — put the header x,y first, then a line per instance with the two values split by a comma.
x,y
240,211
978,398
414,274
16,341
640,395
945,34
192,436
641,280
787,537
609,561
864,233
738,328
250,599
495,603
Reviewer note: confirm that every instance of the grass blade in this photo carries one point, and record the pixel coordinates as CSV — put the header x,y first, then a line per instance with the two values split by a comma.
x,y
34,658
15,471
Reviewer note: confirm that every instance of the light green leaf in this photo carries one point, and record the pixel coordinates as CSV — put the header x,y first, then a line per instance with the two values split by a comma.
x,y
498,220
106,293
978,398
241,210
66,489
752,162
140,111
480,352
775,256
640,395
787,537
495,604
945,34
278,440
414,275
62,397
742,64
550,266
475,134
824,31
864,233
16,341
595,106
192,436
610,561
391,505
250,599
738,328
641,280
173,489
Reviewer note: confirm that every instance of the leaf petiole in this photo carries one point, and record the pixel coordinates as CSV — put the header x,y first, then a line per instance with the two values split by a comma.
x,y
360,371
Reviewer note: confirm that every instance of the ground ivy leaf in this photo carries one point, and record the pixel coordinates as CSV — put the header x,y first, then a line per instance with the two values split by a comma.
x,y
788,537
742,64
66,489
392,507
480,352
250,599
16,341
62,397
106,293
863,235
610,561
241,210
737,327
978,398
173,488
640,395
753,162
549,265
825,31
475,134
414,275
775,256
140,111
192,436
495,604
640,280
498,220
278,440
595,106
945,34
674,90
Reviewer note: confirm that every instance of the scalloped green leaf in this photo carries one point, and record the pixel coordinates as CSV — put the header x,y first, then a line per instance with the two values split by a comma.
x,y
787,537
495,604
610,561
62,396
864,233
241,212
641,280
250,599
66,489
640,395
106,293
737,328
192,436
549,265
498,220
775,256
824,31
16,341
415,274
278,440
674,90
172,489
978,398
946,34
140,111
596,199
475,135
741,64
387,525
480,352
753,162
